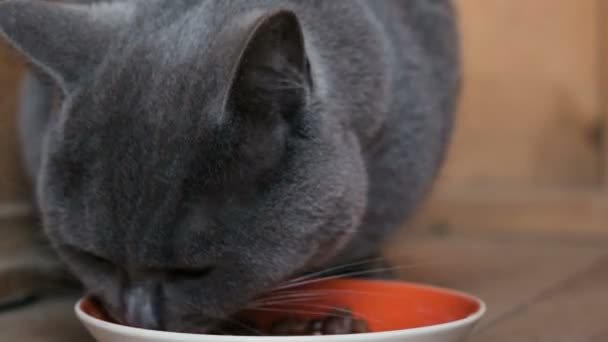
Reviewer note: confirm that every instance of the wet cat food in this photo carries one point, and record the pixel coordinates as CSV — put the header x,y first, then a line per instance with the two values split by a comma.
x,y
337,322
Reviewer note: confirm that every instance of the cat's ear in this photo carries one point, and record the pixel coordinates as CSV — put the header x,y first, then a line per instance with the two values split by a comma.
x,y
273,73
66,41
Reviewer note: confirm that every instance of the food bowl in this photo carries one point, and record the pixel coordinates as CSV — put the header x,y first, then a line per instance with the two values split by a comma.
x,y
395,312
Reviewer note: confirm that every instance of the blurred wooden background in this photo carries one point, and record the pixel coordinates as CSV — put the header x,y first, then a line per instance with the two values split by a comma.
x,y
13,187
530,152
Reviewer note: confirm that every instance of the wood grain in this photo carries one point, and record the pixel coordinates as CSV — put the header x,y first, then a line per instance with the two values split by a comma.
x,y
49,321
574,310
530,100
12,181
603,85
506,272
575,213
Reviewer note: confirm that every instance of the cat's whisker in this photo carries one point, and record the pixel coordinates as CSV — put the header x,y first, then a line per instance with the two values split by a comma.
x,y
293,299
303,296
287,297
330,308
285,84
298,312
320,293
245,326
333,269
328,292
287,293
353,274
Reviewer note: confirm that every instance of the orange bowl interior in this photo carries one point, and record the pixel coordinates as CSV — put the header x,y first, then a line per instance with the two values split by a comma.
x,y
384,305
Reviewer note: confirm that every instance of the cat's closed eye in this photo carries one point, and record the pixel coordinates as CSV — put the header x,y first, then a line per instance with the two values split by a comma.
x,y
190,273
91,260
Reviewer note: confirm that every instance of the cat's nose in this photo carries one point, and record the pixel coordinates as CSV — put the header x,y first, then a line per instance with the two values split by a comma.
x,y
140,309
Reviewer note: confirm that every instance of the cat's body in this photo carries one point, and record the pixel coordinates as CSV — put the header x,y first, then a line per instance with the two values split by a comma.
x,y
309,131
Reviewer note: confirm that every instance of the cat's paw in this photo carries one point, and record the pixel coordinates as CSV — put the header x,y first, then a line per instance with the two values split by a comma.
x,y
337,322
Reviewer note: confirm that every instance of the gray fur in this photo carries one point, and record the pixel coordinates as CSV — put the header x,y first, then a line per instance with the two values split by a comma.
x,y
206,151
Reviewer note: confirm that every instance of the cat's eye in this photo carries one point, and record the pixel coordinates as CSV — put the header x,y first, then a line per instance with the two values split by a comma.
x,y
88,259
190,272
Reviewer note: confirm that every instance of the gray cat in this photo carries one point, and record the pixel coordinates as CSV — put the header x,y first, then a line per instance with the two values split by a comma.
x,y
204,152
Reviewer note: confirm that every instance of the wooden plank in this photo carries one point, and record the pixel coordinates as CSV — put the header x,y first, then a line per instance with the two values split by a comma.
x,y
574,311
506,273
49,321
530,99
601,337
12,181
572,213
15,209
603,83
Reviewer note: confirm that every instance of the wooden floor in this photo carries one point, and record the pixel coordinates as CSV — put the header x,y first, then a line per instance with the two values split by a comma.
x,y
536,289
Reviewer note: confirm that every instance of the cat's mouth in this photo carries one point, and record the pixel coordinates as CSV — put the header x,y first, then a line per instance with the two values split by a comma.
x,y
286,291
104,312
189,325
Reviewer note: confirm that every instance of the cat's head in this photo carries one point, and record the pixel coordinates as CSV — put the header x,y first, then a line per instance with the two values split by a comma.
x,y
193,164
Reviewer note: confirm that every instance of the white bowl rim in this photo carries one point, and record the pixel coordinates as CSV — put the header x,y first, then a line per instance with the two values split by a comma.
x,y
411,332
